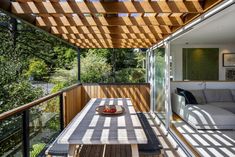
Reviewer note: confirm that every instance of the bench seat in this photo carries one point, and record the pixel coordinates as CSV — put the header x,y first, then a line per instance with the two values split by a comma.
x,y
153,147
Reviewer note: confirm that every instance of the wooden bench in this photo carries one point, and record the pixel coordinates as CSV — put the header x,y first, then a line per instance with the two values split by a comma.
x,y
151,149
62,150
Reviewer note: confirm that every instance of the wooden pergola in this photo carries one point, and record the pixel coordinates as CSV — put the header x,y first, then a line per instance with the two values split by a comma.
x,y
109,23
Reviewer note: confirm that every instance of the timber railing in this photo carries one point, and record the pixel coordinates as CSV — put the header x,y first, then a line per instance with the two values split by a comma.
x,y
28,129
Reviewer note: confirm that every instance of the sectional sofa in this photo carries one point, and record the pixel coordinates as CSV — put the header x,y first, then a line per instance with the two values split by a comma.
x,y
215,109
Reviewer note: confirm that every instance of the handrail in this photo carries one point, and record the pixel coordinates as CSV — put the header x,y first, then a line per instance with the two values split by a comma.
x,y
22,108
116,83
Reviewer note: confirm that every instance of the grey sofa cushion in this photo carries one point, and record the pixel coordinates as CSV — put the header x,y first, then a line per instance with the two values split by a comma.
x,y
218,95
199,96
208,117
233,93
230,106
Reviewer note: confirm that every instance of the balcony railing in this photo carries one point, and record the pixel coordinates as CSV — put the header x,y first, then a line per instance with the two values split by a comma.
x,y
28,129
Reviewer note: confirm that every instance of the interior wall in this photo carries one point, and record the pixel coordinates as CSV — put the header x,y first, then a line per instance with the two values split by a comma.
x,y
177,58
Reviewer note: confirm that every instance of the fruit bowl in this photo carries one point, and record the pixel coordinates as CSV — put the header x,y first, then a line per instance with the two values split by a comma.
x,y
110,109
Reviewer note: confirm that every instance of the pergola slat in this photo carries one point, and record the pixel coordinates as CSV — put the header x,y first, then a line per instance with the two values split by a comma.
x,y
109,30
108,21
109,24
28,7
143,37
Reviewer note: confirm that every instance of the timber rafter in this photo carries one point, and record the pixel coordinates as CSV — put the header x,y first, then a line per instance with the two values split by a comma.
x,y
109,24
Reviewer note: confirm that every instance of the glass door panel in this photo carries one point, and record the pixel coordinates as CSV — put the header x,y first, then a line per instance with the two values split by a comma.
x,y
159,83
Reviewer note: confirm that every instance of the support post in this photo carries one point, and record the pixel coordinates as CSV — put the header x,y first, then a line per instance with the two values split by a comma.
x,y
13,28
114,65
26,133
79,65
61,112
167,85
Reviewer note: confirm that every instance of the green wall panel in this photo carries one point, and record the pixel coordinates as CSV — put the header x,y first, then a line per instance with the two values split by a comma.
x,y
200,63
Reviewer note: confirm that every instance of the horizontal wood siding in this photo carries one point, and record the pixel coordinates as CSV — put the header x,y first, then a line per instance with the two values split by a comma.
x,y
138,93
76,98
72,103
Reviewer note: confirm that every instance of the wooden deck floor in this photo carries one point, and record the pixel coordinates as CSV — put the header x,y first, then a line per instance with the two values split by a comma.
x,y
205,142
125,150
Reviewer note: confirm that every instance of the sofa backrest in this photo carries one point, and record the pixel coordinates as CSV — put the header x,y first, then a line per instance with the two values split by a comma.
x,y
233,93
199,96
218,95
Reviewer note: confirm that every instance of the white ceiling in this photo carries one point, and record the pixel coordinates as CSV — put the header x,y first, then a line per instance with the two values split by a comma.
x,y
219,29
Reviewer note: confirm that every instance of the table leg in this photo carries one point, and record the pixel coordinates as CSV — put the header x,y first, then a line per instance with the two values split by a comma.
x,y
72,149
134,150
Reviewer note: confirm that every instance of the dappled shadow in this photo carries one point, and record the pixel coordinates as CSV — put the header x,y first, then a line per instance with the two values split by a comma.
x,y
208,142
139,93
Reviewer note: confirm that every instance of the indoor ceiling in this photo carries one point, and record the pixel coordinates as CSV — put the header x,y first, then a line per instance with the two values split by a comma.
x,y
219,29
109,23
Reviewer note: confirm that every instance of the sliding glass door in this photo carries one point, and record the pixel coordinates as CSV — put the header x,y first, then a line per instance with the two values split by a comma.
x,y
156,77
159,83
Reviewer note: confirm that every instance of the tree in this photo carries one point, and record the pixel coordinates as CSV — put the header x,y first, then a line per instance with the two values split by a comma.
x,y
65,57
37,69
26,52
94,68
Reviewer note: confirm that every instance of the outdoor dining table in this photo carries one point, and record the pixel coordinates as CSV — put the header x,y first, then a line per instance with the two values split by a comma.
x,y
90,128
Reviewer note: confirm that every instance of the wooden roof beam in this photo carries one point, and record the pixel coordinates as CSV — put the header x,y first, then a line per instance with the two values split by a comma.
x,y
131,41
113,36
107,21
133,45
189,6
108,29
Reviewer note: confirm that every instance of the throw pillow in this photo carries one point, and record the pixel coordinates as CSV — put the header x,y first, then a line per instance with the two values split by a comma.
x,y
189,97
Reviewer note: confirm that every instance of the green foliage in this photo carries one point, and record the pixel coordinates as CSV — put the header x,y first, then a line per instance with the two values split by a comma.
x,y
104,53
37,69
54,123
18,93
64,77
94,68
37,148
58,87
133,75
160,60
65,57
27,52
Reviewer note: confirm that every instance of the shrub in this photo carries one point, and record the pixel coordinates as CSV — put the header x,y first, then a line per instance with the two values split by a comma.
x,y
94,68
37,69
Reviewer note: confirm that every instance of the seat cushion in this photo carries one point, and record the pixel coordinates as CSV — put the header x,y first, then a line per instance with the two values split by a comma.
x,y
208,117
218,95
56,149
230,106
233,94
199,96
153,146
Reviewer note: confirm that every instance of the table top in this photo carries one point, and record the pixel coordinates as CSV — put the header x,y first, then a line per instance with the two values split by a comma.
x,y
89,127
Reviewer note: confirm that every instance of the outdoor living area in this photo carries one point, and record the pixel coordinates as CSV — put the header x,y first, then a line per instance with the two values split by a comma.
x,y
116,78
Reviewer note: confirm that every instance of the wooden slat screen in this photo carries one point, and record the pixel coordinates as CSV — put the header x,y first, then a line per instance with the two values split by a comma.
x,y
72,103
